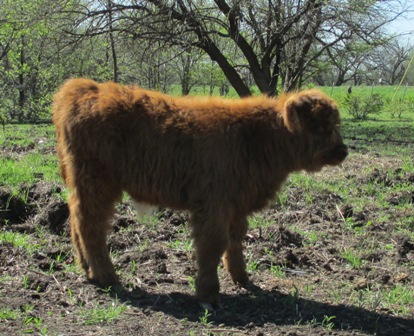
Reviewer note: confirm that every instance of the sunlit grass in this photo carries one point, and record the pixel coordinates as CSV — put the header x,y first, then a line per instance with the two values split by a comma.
x,y
103,313
7,314
19,240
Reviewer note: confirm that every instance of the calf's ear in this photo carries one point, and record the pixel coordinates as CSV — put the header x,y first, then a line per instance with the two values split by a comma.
x,y
309,109
293,110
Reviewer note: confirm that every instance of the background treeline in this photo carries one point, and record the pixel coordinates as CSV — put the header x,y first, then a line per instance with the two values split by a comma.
x,y
186,46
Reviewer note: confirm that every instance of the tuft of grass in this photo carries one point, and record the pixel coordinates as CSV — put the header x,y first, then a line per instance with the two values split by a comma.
x,y
204,318
19,240
353,257
259,221
181,245
290,300
312,237
278,271
103,314
252,266
192,283
326,323
37,323
7,314
398,298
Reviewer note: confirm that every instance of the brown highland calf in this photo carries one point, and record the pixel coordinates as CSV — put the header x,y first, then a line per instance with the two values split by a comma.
x,y
220,159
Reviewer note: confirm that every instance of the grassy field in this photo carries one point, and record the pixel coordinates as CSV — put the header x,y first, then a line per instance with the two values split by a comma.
x,y
333,255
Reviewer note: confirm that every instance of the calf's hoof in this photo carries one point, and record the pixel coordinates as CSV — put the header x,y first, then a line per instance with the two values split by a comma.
x,y
105,280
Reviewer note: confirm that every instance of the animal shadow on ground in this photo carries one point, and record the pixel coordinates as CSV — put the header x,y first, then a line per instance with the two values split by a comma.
x,y
258,308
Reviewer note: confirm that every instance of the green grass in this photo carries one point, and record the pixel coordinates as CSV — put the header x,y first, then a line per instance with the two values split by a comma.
x,y
19,240
37,136
32,324
204,319
103,314
259,221
312,237
30,168
27,155
397,298
389,92
252,266
278,271
394,121
326,323
7,314
385,137
181,245
353,257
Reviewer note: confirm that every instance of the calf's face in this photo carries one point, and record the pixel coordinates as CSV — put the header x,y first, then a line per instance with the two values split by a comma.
x,y
314,118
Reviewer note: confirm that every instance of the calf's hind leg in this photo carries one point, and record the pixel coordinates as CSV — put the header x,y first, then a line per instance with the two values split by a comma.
x,y
233,257
90,211
210,238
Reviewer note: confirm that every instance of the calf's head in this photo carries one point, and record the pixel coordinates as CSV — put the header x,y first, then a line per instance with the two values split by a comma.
x,y
314,120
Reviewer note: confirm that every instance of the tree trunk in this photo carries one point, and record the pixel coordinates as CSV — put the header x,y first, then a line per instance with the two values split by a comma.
x,y
340,79
112,43
185,76
22,92
231,74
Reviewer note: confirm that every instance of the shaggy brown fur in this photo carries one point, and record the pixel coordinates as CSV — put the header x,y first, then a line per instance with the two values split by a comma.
x,y
220,159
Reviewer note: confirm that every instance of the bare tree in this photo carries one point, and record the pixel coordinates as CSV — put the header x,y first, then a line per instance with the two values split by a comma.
x,y
347,59
390,60
186,66
278,40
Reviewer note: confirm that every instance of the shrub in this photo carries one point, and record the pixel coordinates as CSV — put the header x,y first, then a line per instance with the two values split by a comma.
x,y
361,107
399,106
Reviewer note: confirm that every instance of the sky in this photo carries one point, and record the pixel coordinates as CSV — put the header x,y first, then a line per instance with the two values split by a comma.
x,y
404,25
